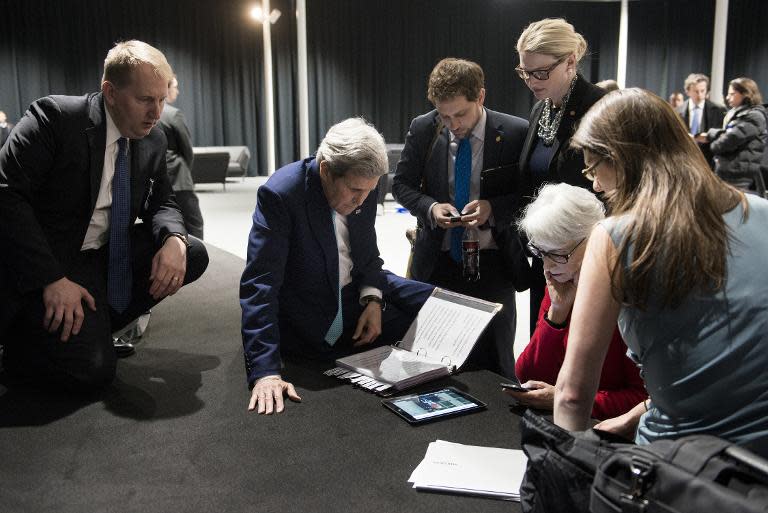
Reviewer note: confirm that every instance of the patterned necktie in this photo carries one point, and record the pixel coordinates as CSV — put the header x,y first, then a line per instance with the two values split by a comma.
x,y
461,174
337,326
696,120
119,274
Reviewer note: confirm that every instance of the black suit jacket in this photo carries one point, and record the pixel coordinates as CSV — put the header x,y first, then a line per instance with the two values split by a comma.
x,y
179,156
566,164
50,173
421,179
712,117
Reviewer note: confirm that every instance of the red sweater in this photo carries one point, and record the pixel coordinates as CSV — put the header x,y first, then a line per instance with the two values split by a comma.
x,y
620,387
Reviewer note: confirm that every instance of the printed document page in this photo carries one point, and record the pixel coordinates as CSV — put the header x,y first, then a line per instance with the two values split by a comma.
x,y
447,327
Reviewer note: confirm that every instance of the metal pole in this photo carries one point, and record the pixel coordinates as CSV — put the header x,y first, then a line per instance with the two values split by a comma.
x,y
717,82
269,87
621,69
303,86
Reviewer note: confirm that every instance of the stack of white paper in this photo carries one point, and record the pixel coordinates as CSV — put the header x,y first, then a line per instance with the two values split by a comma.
x,y
469,469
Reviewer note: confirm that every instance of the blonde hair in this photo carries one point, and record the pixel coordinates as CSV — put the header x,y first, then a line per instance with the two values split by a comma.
x,y
126,56
552,36
676,240
695,78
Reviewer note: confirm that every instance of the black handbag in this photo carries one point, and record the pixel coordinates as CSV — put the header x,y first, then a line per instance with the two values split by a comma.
x,y
561,465
698,473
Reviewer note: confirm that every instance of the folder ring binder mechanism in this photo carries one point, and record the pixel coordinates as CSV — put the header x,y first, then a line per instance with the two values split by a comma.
x,y
437,344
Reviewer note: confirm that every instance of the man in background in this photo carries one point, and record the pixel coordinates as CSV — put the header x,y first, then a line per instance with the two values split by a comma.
x,y
438,180
699,113
179,157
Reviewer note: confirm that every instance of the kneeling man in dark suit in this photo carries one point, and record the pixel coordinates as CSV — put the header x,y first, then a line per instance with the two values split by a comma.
x,y
75,266
313,284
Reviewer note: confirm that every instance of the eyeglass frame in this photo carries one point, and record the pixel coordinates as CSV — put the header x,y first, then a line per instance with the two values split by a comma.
x,y
589,171
558,259
526,75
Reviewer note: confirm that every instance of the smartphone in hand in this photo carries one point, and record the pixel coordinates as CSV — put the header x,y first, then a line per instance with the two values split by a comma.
x,y
515,387
455,219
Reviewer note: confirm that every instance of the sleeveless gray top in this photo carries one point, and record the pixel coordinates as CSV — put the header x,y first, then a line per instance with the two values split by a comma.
x,y
705,363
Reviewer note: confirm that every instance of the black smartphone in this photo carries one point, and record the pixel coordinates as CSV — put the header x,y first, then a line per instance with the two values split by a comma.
x,y
517,387
455,219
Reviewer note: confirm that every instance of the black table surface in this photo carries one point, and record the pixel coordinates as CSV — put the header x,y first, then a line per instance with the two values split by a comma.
x,y
341,450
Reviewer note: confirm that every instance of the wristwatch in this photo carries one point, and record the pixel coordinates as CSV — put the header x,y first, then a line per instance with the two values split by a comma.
x,y
372,298
180,236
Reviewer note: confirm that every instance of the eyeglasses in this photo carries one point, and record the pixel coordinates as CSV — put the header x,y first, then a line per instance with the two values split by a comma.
x,y
589,171
538,74
555,257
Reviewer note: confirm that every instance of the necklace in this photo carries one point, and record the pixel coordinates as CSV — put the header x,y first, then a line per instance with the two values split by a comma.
x,y
547,124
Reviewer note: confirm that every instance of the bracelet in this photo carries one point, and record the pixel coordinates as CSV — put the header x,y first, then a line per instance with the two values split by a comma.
x,y
645,403
557,326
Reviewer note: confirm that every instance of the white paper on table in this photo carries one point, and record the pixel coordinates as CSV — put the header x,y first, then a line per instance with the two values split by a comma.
x,y
471,469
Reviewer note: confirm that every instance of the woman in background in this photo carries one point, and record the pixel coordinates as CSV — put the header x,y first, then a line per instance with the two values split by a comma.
x,y
738,147
558,224
549,51
680,263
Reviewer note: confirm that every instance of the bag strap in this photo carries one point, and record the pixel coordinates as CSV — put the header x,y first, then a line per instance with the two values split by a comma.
x,y
693,453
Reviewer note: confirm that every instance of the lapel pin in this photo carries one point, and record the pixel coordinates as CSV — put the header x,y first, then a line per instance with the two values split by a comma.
x,y
573,113
498,138
357,211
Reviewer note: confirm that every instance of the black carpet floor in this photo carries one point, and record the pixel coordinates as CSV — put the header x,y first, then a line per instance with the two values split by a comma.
x,y
172,434
145,443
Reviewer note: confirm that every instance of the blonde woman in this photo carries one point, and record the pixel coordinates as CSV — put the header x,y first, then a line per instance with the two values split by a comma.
x,y
549,51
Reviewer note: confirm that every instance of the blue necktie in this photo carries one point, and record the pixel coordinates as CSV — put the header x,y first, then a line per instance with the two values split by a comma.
x,y
119,274
461,174
696,120
337,326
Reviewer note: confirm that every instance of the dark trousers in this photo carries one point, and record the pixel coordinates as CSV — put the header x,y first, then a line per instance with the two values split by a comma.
x,y
190,211
495,349
404,298
88,359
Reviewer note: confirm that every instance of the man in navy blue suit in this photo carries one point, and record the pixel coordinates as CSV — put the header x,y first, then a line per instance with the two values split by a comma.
x,y
313,284
425,183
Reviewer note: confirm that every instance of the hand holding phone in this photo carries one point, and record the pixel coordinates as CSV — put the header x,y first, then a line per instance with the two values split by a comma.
x,y
455,219
515,387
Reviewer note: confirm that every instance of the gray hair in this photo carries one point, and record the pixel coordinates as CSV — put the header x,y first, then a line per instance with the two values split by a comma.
x,y
561,214
354,145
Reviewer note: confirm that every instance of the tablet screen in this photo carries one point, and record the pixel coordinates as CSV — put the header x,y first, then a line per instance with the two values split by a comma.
x,y
426,406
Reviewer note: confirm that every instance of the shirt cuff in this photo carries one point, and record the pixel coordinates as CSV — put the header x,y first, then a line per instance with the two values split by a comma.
x,y
370,291
432,222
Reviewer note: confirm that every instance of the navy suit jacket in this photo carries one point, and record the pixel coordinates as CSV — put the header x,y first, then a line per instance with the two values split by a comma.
x,y
290,286
50,173
421,179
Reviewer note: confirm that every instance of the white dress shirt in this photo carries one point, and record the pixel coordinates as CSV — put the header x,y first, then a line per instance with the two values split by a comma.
x,y
98,229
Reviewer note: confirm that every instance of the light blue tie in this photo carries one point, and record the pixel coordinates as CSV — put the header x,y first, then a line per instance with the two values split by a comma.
x,y
119,274
461,174
337,326
696,120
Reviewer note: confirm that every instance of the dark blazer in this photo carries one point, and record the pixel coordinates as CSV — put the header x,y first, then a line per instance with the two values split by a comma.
x,y
712,117
566,164
289,289
179,156
421,179
50,173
